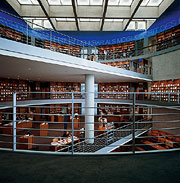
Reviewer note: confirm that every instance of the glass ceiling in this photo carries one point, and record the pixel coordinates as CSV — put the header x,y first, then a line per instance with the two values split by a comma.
x,y
118,19
93,2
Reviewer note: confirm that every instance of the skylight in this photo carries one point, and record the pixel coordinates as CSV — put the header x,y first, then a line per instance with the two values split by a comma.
x,y
141,25
113,2
125,2
54,2
89,19
154,2
96,2
66,2
114,20
83,2
131,26
144,3
65,19
151,2
26,2
120,2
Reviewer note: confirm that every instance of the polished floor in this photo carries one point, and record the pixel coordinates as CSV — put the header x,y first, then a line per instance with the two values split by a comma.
x,y
145,168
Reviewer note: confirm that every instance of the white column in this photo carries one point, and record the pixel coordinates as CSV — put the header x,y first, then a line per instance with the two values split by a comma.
x,y
89,108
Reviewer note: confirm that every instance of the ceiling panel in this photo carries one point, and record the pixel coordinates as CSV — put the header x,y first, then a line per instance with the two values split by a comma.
x,y
91,11
89,26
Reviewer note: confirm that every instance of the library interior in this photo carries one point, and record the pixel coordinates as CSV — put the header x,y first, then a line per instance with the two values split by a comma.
x,y
90,76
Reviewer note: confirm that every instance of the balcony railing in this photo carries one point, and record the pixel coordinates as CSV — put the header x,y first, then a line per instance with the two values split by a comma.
x,y
20,30
120,126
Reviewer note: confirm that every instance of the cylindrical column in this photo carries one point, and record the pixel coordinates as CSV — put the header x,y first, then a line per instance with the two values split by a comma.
x,y
89,108
14,121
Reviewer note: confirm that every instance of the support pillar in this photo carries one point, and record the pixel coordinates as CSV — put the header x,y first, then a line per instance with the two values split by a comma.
x,y
89,108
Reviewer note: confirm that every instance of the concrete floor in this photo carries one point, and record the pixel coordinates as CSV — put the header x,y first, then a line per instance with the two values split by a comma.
x,y
145,168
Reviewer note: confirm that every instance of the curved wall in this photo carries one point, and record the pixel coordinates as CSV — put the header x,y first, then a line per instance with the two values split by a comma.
x,y
170,18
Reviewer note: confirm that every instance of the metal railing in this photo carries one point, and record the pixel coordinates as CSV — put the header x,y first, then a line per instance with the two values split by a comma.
x,y
21,30
131,126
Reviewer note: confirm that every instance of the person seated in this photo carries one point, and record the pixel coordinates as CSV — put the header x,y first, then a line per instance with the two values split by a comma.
x,y
104,122
100,121
66,134
76,115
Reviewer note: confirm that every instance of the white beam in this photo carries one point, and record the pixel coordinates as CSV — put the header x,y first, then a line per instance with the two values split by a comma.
x,y
45,7
89,26
30,10
147,12
113,26
119,12
66,26
134,8
15,5
89,11
61,11
164,5
134,5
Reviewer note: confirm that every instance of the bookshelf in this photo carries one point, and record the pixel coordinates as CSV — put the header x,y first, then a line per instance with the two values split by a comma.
x,y
168,38
7,87
123,64
162,87
64,87
12,34
114,87
116,51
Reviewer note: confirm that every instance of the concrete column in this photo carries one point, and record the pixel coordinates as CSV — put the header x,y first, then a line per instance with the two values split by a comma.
x,y
89,108
145,45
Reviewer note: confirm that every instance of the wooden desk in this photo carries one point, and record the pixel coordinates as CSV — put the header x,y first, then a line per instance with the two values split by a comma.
x,y
26,139
76,122
60,144
23,124
44,129
61,118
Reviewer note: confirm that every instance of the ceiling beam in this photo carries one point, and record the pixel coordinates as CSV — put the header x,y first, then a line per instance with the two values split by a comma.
x,y
15,5
104,14
134,7
45,10
75,13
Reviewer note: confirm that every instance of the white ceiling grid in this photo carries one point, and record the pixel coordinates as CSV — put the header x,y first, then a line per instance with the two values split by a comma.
x,y
88,14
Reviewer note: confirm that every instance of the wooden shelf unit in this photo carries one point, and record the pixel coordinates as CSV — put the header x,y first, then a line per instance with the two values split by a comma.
x,y
64,108
114,87
168,38
123,64
12,34
116,51
74,50
165,86
64,87
7,87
